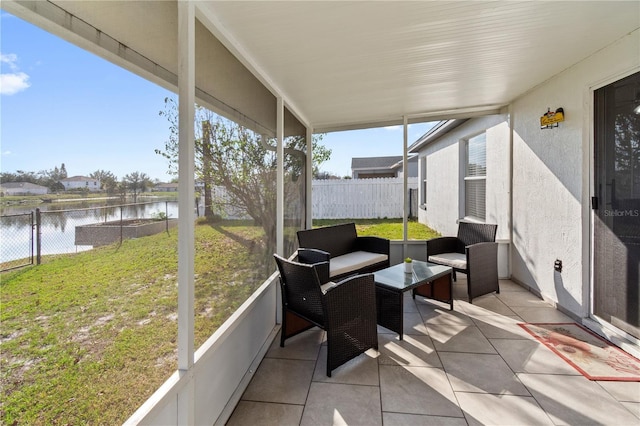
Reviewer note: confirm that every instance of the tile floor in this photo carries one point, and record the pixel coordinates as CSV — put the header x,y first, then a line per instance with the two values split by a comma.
x,y
470,366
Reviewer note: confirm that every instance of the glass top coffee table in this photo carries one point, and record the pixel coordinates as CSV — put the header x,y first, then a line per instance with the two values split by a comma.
x,y
427,280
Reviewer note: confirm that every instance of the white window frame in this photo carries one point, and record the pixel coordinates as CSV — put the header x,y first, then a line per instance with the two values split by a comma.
x,y
423,176
478,214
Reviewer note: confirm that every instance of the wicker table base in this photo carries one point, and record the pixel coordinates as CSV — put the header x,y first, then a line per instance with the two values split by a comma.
x,y
427,280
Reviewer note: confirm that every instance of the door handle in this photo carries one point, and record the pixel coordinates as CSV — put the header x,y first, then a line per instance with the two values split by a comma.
x,y
594,203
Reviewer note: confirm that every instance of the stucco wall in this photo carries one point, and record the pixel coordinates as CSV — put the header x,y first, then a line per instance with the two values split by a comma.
x,y
445,174
551,176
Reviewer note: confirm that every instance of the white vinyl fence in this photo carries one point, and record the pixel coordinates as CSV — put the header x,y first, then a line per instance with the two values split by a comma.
x,y
360,198
345,199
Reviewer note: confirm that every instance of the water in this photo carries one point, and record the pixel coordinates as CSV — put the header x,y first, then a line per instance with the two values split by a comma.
x,y
59,221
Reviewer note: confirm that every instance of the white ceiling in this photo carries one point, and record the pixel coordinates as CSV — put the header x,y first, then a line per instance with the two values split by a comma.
x,y
353,63
341,65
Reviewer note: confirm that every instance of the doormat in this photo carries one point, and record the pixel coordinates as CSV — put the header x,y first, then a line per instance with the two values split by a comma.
x,y
594,357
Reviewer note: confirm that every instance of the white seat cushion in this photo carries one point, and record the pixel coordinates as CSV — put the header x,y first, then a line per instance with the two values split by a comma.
x,y
353,261
455,260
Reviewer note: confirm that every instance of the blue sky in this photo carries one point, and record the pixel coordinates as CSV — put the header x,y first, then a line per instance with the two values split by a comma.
x,y
61,104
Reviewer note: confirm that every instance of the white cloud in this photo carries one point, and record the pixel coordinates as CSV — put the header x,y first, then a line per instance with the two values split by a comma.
x,y
15,81
10,84
10,59
5,153
392,128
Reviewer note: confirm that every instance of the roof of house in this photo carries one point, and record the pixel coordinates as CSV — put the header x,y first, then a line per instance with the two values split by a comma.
x,y
21,185
437,131
77,179
360,163
369,163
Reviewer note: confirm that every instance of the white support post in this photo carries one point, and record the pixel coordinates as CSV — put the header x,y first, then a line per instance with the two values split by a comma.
x,y
405,183
186,185
186,201
309,182
280,178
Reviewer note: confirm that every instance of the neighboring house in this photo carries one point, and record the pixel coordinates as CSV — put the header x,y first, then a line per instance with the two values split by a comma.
x,y
81,182
165,187
382,167
22,188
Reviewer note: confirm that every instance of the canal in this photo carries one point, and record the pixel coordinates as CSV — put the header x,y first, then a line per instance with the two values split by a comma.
x,y
59,221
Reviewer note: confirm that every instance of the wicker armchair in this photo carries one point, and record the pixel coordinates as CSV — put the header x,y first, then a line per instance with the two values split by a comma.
x,y
473,252
345,310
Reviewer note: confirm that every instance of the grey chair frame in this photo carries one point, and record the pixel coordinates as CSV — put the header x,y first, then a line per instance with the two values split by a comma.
x,y
346,310
477,242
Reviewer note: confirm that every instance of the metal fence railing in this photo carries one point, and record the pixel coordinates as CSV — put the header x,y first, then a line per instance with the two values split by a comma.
x,y
16,240
28,237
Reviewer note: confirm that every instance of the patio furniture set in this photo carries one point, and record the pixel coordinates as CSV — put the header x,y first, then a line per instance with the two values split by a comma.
x,y
345,284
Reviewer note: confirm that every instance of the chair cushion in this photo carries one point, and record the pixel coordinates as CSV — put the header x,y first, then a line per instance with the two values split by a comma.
x,y
455,260
353,261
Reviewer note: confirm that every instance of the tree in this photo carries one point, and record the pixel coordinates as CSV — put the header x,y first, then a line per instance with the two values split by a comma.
x,y
9,177
241,161
136,183
326,176
627,146
121,189
108,181
51,178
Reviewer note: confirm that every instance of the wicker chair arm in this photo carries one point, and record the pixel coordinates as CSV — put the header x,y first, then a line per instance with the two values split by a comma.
x,y
310,255
322,269
349,285
373,244
350,319
482,255
442,245
482,267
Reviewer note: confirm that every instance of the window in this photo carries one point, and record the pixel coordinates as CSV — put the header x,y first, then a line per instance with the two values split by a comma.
x,y
423,180
475,179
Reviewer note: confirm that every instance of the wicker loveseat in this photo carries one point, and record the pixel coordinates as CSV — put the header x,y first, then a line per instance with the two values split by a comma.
x,y
346,310
473,252
346,252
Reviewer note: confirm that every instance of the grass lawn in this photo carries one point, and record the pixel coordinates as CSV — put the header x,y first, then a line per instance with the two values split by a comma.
x,y
385,228
87,338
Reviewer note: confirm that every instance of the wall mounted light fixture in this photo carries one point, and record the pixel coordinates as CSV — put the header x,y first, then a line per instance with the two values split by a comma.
x,y
550,119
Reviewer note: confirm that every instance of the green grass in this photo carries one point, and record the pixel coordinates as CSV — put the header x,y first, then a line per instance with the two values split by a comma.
x,y
87,338
385,228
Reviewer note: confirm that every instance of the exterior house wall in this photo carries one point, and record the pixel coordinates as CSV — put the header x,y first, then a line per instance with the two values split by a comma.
x,y
23,189
374,174
92,185
386,170
442,201
412,167
445,180
552,176
549,170
172,187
